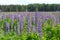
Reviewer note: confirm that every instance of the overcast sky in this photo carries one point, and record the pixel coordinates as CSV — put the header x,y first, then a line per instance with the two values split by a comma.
x,y
25,2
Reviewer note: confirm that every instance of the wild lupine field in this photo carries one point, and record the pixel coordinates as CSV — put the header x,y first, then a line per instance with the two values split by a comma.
x,y
29,26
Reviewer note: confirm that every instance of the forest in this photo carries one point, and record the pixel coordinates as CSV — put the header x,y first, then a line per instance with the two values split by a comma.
x,y
29,7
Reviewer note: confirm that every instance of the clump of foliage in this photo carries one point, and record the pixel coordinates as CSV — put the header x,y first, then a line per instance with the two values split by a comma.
x,y
50,32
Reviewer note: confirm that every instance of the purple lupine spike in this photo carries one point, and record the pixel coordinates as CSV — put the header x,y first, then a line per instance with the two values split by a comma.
x,y
17,27
21,22
12,17
44,17
36,19
18,24
15,16
40,28
39,25
25,14
18,17
51,17
6,24
29,23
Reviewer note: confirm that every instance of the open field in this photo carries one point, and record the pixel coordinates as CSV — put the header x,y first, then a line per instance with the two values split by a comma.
x,y
29,26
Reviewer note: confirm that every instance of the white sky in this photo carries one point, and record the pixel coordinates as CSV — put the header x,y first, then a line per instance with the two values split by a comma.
x,y
24,2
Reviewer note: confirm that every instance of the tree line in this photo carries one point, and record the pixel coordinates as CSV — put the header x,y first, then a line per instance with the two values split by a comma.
x,y
30,7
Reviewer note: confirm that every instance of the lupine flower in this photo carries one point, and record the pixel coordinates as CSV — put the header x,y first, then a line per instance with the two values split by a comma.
x,y
39,25
36,20
18,17
19,26
29,22
21,22
51,17
12,17
7,29
45,17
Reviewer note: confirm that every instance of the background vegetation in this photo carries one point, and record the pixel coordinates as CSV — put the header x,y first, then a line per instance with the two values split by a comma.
x,y
30,7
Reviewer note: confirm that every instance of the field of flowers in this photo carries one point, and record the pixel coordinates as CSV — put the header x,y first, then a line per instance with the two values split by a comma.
x,y
28,26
